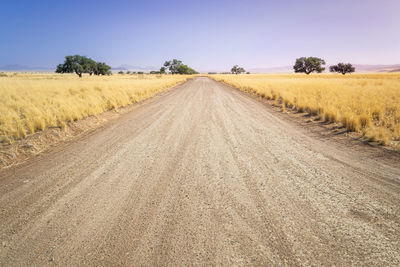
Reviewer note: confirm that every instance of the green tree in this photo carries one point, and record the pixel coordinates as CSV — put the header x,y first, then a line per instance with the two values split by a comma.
x,y
177,67
185,69
89,65
309,64
81,64
342,68
71,64
162,70
102,69
173,65
237,70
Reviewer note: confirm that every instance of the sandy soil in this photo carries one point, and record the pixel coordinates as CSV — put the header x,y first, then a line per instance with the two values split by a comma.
x,y
203,175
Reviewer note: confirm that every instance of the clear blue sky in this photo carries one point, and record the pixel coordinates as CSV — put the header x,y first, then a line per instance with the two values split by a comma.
x,y
206,34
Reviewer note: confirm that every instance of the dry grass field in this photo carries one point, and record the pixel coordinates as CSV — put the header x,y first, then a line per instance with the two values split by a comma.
x,y
33,102
365,103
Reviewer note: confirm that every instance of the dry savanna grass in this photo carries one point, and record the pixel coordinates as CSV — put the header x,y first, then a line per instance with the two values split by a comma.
x,y
365,103
33,102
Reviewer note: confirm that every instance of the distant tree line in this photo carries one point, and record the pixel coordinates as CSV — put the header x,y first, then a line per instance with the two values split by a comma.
x,y
132,72
81,64
235,70
308,65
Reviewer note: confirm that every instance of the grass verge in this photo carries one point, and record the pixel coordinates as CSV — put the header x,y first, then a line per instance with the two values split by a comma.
x,y
34,102
365,103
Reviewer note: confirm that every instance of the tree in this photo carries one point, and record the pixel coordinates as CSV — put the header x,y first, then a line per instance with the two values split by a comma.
x,y
71,64
102,69
173,65
89,65
237,70
342,68
185,69
81,64
177,67
120,72
309,64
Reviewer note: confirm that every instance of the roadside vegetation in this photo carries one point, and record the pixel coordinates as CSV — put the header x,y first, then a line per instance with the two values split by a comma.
x,y
34,102
365,103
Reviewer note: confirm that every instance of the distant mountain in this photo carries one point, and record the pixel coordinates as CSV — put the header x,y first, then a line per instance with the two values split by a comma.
x,y
16,67
376,68
135,68
395,70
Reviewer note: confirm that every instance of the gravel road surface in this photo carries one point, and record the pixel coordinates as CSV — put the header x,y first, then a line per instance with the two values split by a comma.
x,y
201,175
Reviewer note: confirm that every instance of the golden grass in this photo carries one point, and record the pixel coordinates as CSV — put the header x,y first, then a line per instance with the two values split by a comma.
x,y
365,103
33,102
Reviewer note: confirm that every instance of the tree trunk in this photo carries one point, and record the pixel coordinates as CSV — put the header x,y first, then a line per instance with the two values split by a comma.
x,y
78,73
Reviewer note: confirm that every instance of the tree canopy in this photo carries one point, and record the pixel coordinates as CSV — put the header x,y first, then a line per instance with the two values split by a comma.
x,y
81,64
237,70
309,64
177,67
342,68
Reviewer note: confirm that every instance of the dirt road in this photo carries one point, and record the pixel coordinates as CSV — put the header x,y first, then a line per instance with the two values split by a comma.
x,y
201,175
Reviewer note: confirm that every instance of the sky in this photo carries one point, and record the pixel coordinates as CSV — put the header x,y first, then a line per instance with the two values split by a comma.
x,y
207,35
